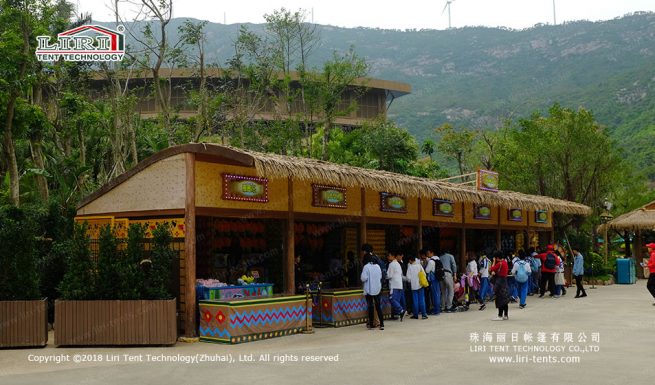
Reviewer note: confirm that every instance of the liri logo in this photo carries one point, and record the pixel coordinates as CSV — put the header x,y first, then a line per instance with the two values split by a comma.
x,y
85,43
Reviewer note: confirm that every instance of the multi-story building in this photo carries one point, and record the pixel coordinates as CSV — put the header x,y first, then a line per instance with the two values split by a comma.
x,y
372,97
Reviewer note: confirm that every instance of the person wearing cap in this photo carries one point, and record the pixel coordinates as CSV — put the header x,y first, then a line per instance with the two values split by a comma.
x,y
651,268
549,263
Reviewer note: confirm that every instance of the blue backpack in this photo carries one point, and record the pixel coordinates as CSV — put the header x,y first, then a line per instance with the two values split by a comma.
x,y
521,272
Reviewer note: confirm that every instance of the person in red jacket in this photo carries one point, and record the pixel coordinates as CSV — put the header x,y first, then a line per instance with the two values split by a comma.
x,y
499,271
651,268
549,263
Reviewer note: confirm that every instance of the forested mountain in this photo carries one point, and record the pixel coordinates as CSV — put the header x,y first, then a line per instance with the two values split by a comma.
x,y
477,77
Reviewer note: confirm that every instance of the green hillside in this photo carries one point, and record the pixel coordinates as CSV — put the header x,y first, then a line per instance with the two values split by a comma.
x,y
477,77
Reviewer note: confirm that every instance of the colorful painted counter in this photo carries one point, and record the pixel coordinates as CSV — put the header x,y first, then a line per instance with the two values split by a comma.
x,y
344,307
255,290
246,320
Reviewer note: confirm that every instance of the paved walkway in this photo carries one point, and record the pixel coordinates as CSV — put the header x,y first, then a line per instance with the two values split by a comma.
x,y
618,322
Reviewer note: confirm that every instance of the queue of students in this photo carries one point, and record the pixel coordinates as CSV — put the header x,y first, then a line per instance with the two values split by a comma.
x,y
429,286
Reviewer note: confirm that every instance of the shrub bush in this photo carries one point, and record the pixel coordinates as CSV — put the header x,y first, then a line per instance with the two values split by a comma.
x,y
79,280
19,279
159,277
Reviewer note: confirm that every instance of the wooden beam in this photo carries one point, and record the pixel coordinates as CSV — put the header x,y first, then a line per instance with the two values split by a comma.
x,y
290,255
362,223
420,224
190,245
463,240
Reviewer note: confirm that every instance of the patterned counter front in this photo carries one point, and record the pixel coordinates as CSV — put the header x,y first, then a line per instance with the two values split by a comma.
x,y
344,307
246,320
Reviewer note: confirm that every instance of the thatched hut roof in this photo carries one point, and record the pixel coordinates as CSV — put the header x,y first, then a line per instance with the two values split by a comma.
x,y
642,218
313,170
274,165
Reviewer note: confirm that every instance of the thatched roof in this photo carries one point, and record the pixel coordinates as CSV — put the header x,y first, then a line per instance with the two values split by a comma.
x,y
642,218
313,170
274,165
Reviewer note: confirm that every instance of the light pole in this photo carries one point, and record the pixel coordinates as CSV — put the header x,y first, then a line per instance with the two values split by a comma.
x,y
605,217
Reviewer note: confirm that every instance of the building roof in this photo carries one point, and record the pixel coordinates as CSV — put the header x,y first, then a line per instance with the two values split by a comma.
x,y
642,218
395,89
281,166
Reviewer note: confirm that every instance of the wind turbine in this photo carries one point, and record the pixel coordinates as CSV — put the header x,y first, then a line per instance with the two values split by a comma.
x,y
448,2
554,16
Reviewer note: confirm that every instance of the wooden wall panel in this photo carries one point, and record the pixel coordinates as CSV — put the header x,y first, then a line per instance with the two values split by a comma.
x,y
426,210
468,216
373,208
532,223
138,322
158,187
302,200
23,323
209,188
505,222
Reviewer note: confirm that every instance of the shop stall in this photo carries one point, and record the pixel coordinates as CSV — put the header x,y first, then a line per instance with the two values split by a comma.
x,y
260,224
245,320
344,307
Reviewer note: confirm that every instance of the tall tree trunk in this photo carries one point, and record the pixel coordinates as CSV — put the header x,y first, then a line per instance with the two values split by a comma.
x,y
10,153
8,138
326,138
36,150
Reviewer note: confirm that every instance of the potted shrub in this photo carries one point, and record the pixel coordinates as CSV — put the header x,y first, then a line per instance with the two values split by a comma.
x,y
23,313
124,298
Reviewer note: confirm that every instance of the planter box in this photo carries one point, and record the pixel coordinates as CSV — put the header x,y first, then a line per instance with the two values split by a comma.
x,y
23,323
137,322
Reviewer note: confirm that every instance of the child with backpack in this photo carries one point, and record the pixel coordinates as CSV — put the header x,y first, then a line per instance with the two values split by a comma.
x,y
549,262
521,272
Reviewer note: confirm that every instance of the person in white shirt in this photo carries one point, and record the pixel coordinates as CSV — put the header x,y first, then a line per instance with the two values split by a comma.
x,y
472,281
396,293
418,297
372,279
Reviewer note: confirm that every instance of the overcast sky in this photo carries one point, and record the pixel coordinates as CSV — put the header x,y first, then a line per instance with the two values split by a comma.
x,y
397,14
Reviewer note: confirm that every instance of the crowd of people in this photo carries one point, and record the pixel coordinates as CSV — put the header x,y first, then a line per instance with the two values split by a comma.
x,y
431,284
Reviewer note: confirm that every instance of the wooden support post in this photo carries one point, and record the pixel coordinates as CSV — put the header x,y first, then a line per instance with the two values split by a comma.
x,y
463,256
637,254
552,236
498,239
362,224
420,225
190,246
290,256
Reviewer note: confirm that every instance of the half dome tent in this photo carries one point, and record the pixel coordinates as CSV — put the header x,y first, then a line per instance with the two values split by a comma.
x,y
282,166
642,218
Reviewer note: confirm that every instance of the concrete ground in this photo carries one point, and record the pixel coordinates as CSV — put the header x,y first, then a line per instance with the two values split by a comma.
x,y
430,351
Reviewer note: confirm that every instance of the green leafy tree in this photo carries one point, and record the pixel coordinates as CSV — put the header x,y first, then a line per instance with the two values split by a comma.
x,y
428,147
331,85
456,145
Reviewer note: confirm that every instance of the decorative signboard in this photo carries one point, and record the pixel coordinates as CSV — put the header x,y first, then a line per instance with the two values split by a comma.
x,y
328,196
487,180
541,216
481,212
443,207
245,188
393,203
515,215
